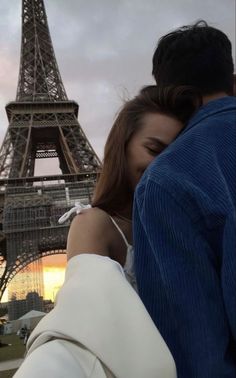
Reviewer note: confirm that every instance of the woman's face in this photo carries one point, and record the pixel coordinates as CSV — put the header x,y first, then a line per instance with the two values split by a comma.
x,y
157,132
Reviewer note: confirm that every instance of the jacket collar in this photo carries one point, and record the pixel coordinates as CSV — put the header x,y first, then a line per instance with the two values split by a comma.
x,y
211,108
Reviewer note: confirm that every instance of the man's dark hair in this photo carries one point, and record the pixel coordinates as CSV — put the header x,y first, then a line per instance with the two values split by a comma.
x,y
197,55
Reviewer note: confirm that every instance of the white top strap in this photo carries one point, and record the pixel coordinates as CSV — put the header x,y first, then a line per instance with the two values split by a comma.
x,y
120,231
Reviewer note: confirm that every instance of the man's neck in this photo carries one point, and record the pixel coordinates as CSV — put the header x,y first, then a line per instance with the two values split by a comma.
x,y
215,96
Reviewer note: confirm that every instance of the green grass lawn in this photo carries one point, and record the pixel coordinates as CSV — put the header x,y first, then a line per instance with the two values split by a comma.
x,y
13,351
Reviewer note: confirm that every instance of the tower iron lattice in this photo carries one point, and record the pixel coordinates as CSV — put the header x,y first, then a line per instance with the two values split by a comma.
x,y
42,124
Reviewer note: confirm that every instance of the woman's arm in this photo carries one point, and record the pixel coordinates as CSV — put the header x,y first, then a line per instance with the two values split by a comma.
x,y
90,232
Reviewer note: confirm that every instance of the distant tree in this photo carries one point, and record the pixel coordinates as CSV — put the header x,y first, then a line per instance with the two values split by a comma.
x,y
3,311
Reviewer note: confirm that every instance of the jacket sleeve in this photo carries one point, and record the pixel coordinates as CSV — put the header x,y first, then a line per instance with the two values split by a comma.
x,y
52,359
99,326
179,282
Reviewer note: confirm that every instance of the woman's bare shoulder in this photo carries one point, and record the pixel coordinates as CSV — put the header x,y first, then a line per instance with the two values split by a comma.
x,y
94,218
89,233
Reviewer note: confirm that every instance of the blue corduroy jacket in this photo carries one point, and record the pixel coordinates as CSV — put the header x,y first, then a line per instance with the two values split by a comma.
x,y
185,243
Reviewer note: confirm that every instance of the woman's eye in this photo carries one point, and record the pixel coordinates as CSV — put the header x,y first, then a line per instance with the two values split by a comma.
x,y
154,151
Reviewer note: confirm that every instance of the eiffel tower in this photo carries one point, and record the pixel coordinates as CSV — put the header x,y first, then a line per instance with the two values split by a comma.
x,y
42,124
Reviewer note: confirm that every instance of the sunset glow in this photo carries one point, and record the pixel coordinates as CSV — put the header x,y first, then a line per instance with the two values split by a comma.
x,y
53,275
53,279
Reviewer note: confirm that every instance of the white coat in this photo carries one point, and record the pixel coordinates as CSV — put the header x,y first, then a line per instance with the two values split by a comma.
x,y
99,328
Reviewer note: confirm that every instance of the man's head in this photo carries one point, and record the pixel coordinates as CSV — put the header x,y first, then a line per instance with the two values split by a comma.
x,y
197,55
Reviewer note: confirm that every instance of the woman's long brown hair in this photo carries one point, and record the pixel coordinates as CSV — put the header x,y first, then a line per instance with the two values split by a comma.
x,y
112,192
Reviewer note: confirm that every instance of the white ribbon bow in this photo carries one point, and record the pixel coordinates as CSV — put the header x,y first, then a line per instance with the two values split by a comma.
x,y
76,209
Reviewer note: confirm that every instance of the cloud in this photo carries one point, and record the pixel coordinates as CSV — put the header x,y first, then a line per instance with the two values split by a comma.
x,y
104,49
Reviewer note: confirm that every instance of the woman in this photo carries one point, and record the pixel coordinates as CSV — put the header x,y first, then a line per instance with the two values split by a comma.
x,y
99,327
145,126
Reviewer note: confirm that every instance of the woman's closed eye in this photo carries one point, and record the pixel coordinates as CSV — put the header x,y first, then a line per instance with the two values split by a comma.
x,y
155,146
154,150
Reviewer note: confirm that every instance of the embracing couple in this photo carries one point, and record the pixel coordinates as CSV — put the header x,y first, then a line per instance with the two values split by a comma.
x,y
150,287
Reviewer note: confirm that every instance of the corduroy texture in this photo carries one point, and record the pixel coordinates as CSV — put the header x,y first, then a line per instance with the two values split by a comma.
x,y
185,243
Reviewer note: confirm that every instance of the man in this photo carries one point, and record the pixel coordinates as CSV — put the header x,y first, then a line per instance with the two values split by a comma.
x,y
185,211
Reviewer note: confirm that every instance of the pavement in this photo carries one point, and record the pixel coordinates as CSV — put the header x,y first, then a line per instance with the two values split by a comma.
x,y
10,364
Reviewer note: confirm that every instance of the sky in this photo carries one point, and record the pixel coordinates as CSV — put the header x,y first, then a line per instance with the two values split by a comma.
x,y
104,51
53,274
